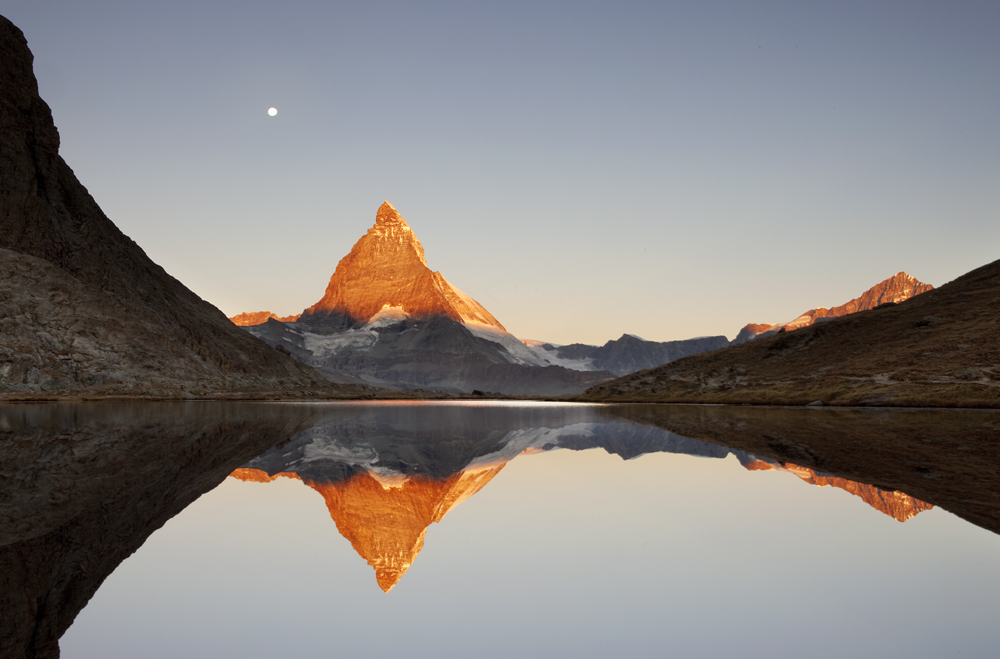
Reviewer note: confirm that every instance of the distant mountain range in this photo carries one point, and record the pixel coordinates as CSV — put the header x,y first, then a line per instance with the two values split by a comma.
x,y
940,348
388,320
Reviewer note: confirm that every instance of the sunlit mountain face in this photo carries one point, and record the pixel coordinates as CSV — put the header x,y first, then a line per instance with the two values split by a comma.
x,y
385,484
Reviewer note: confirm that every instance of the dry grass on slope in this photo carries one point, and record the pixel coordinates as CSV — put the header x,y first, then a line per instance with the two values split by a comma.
x,y
939,349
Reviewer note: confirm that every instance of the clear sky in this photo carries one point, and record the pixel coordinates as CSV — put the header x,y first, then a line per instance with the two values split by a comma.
x,y
581,169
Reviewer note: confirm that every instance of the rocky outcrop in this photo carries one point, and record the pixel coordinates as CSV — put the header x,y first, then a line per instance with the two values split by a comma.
x,y
893,290
386,271
83,309
259,317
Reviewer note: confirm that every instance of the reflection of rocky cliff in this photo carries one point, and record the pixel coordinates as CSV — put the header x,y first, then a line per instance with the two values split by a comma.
x,y
83,485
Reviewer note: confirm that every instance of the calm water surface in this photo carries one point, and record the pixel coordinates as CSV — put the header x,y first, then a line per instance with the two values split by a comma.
x,y
430,530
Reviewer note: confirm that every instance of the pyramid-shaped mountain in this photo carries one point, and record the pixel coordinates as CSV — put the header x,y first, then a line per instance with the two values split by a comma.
x,y
386,270
388,320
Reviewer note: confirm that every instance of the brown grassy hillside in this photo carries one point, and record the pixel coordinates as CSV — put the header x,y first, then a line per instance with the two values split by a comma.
x,y
941,348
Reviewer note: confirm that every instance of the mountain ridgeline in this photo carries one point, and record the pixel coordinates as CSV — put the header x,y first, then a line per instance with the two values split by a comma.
x,y
940,348
893,290
388,320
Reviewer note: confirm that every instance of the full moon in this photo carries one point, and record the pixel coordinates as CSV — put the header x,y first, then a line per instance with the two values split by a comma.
x,y
272,111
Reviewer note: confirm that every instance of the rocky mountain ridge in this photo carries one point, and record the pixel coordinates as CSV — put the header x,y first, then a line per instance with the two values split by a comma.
x,y
388,320
252,318
893,290
940,349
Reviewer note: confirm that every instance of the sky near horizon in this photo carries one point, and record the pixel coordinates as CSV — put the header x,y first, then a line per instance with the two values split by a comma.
x,y
581,169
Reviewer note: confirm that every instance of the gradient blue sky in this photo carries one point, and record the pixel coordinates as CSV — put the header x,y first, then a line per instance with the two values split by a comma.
x,y
581,169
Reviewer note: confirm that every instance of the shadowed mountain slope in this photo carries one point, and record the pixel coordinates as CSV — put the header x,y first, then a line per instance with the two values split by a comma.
x,y
82,308
940,348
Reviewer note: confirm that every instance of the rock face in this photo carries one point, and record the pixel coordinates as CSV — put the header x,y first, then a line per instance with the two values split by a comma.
x,y
940,348
82,308
388,320
259,317
386,272
893,290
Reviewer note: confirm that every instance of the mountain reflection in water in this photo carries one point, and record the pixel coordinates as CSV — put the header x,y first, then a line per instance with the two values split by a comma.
x,y
385,482
82,486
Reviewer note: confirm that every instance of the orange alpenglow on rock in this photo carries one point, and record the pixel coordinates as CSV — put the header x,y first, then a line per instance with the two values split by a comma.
x,y
252,318
386,270
895,504
386,523
898,288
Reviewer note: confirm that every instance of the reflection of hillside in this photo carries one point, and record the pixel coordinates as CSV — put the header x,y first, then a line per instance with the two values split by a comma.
x,y
83,485
895,504
946,458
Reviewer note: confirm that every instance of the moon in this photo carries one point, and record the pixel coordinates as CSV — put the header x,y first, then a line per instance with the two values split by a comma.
x,y
272,111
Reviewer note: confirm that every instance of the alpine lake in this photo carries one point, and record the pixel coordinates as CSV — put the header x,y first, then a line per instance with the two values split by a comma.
x,y
497,529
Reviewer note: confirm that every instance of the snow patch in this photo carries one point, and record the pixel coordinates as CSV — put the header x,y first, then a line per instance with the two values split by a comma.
x,y
386,317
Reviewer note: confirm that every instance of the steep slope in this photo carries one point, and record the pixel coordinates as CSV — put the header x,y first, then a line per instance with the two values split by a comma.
x,y
940,348
83,308
893,290
388,320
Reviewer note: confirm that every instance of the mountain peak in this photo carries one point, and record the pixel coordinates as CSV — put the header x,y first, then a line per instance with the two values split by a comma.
x,y
386,267
388,213
897,288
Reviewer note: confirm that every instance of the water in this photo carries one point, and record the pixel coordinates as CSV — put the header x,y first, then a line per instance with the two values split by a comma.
x,y
547,541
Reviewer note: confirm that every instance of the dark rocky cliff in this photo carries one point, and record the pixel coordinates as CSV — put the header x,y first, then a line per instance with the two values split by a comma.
x,y
82,308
